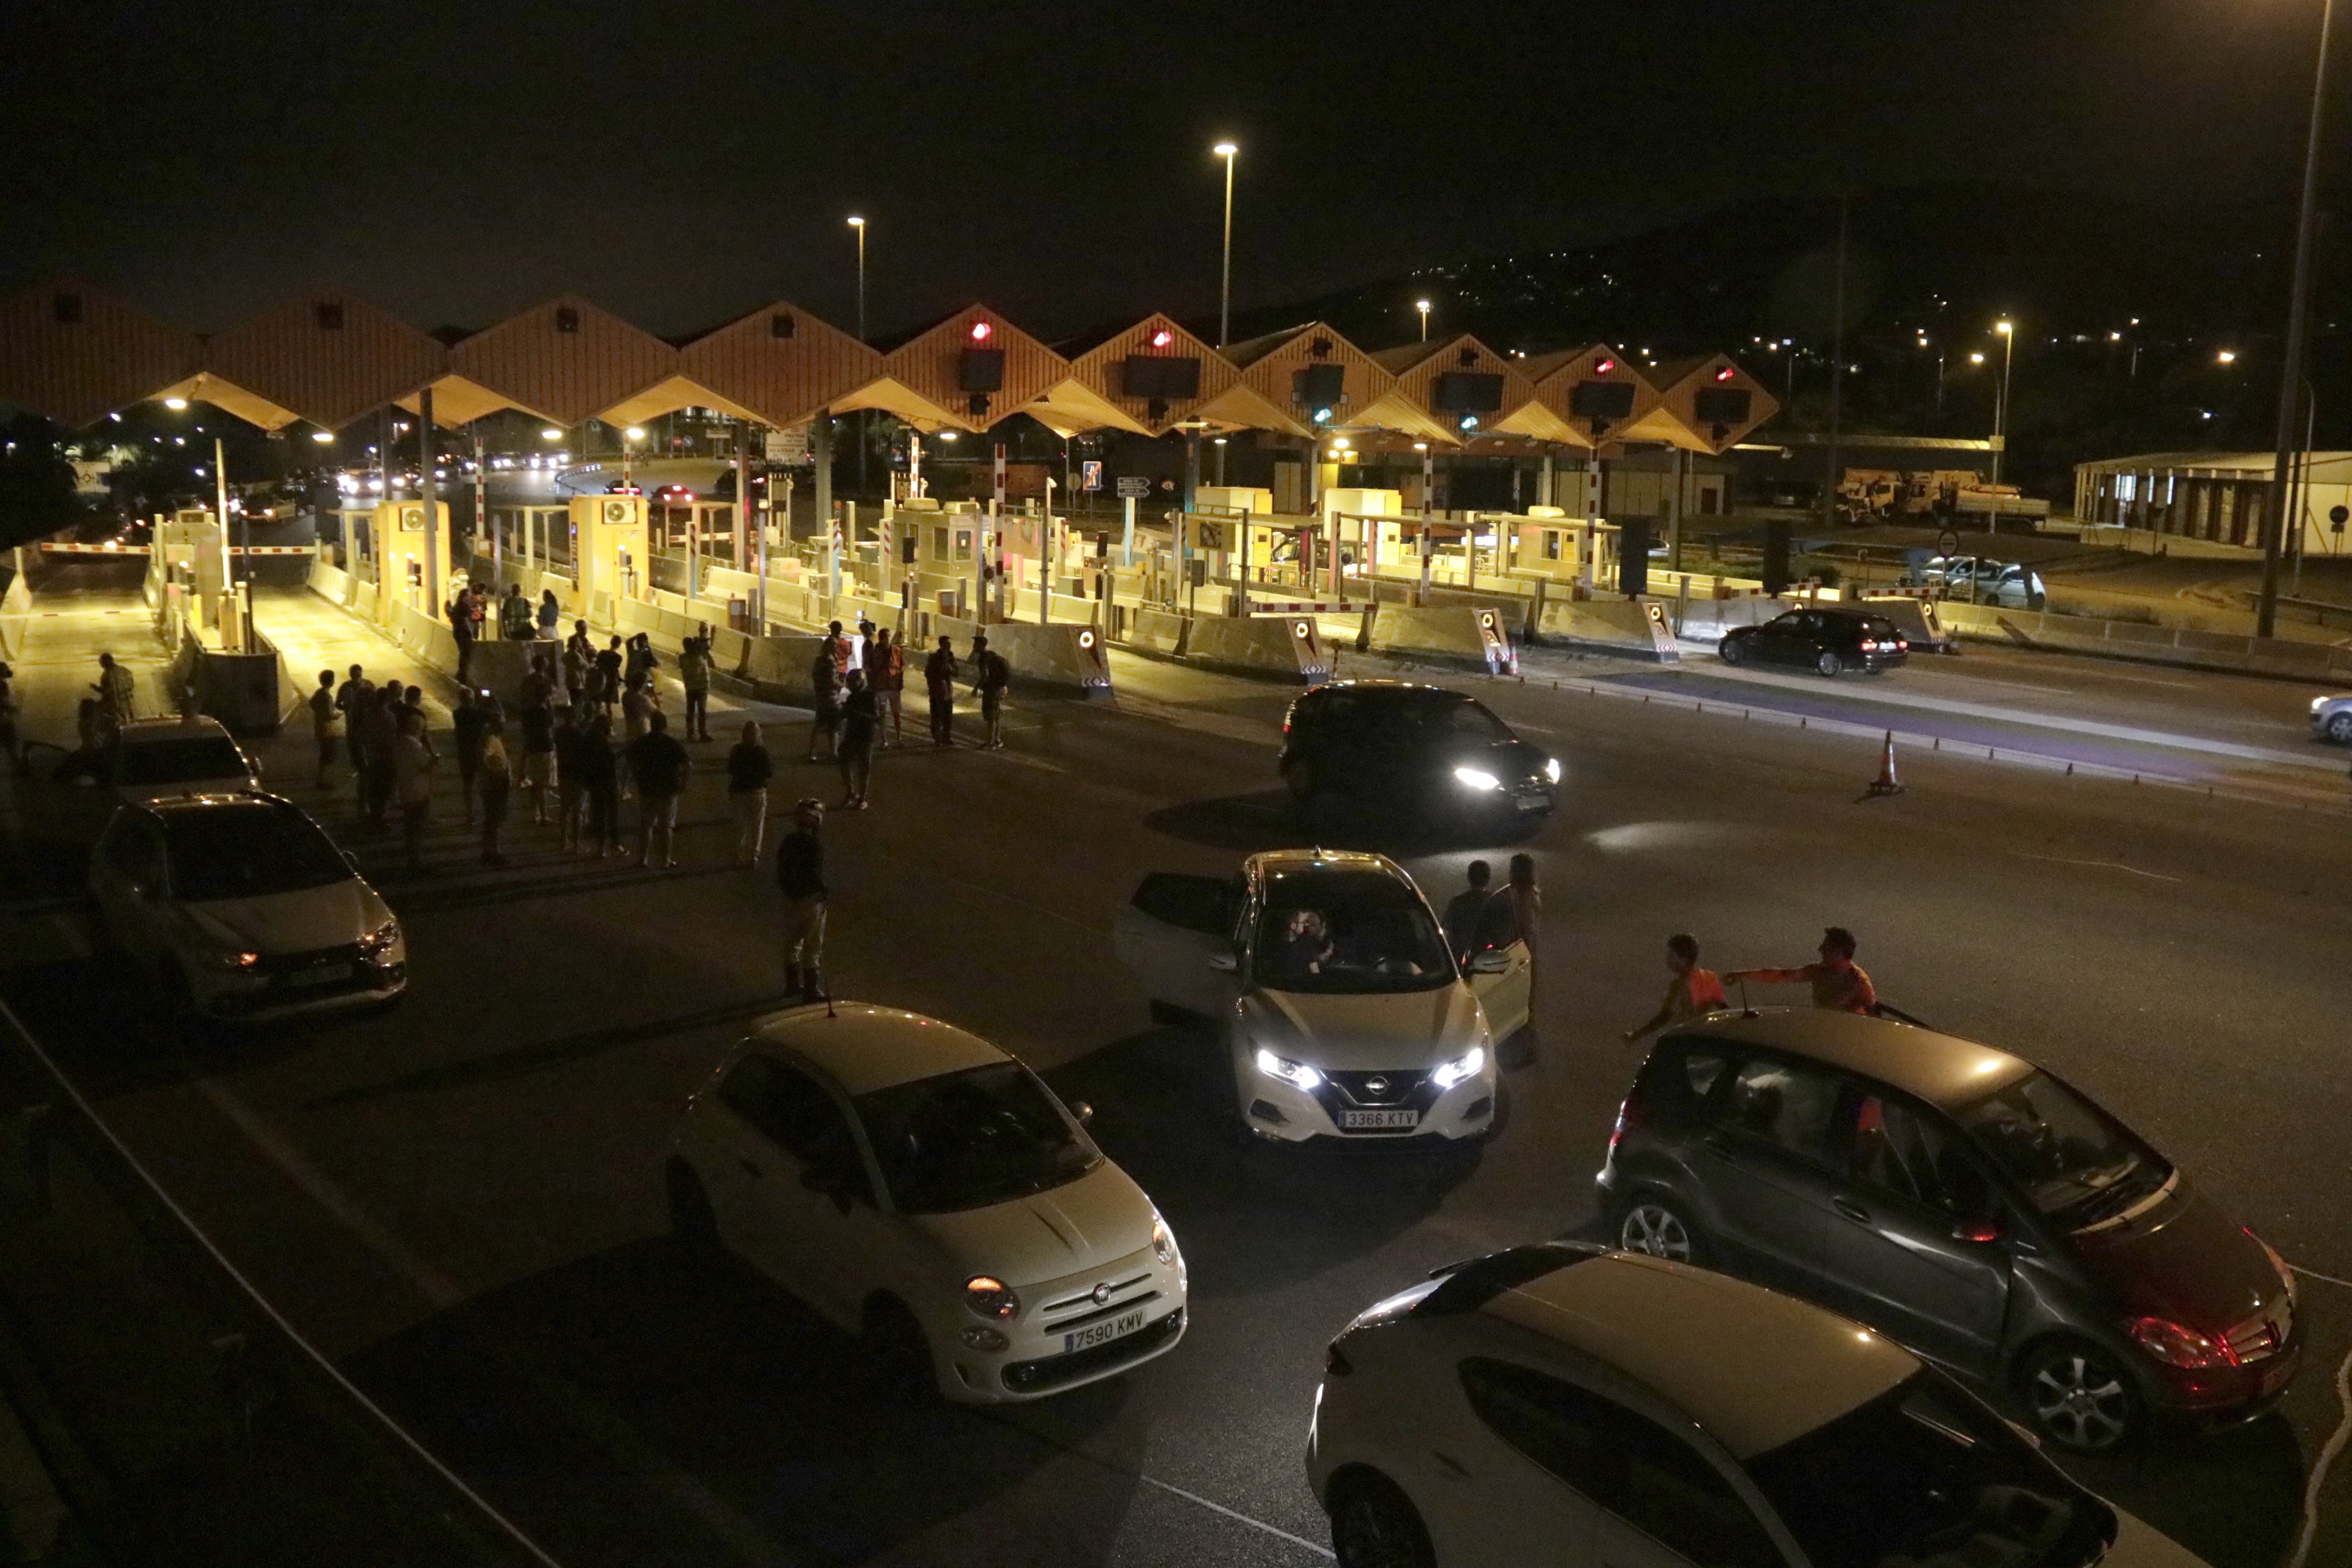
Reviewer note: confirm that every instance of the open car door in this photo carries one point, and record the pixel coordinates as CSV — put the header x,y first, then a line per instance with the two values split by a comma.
x,y
1503,979
1169,933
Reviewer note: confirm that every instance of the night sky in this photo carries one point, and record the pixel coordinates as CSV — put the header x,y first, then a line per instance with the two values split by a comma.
x,y
683,163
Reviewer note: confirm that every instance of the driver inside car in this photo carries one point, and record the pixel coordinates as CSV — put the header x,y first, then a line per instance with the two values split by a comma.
x,y
1305,946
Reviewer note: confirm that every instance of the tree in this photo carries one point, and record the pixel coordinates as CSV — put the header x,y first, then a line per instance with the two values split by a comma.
x,y
37,482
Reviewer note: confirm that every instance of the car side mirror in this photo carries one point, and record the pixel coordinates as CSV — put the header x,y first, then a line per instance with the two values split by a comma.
x,y
1082,1112
1225,963
1494,960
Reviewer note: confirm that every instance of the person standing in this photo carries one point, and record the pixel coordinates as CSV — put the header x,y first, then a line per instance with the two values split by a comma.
x,y
496,774
461,627
995,678
824,701
323,724
577,672
550,614
1838,981
468,723
800,872
412,777
1465,917
539,685
638,660
660,767
749,770
606,678
571,770
383,750
514,615
887,674
1522,911
636,718
694,674
117,693
860,720
940,674
601,785
353,700
1691,992
538,753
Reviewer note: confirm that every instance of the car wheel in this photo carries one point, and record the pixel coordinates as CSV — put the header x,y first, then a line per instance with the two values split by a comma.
x,y
2339,728
1733,650
1374,1525
897,1352
1829,664
1657,1225
2081,1397
690,1216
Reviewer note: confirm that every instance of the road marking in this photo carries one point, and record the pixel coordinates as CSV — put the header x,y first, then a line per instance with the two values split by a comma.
x,y
2102,865
2327,1455
1236,1514
2315,1274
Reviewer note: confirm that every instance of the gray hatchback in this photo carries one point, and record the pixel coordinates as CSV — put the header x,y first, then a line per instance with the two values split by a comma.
x,y
1963,1202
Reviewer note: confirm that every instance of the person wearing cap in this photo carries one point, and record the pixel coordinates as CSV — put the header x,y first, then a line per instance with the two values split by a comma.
x,y
1837,981
800,872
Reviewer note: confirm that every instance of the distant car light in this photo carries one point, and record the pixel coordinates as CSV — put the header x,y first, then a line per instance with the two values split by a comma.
x,y
1478,779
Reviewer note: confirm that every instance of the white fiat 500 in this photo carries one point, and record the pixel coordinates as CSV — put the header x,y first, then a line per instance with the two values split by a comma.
x,y
242,909
1345,1011
929,1194
1560,1405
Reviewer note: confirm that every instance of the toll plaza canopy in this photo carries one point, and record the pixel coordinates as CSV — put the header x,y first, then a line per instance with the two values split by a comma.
x,y
73,353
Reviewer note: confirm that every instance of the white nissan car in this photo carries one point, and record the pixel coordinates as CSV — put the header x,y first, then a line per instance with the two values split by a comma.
x,y
1559,1405
929,1194
242,909
1344,1010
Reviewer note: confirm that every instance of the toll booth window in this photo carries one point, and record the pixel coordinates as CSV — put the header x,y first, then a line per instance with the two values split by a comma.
x,y
963,545
1551,544
939,543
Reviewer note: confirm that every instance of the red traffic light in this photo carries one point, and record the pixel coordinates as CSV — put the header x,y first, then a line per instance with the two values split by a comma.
x,y
1604,366
1162,338
981,331
1725,374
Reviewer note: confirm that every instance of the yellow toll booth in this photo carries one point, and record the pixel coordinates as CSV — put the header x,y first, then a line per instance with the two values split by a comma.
x,y
610,550
403,573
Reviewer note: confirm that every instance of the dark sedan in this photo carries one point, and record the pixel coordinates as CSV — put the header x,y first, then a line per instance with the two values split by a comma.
x,y
1830,641
1419,751
1963,1202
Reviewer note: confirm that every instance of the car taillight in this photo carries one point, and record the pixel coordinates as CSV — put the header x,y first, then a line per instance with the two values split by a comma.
x,y
2174,1345
1903,645
1629,1116
1868,645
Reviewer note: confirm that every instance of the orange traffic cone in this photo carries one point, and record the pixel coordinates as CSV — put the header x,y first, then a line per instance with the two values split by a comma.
x,y
1885,782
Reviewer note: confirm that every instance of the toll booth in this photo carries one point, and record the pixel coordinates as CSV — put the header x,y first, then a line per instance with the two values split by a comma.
x,y
404,573
609,550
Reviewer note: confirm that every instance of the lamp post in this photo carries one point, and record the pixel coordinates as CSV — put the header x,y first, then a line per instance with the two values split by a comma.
x,y
1228,152
629,439
1423,306
2008,331
2291,360
859,224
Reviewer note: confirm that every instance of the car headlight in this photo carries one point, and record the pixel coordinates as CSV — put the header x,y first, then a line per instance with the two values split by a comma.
x,y
2319,702
1477,779
1469,1064
380,940
235,962
989,1297
1297,1074
1551,769
1163,1240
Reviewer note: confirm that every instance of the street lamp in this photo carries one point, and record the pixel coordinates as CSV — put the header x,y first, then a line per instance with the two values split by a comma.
x,y
322,436
2227,356
176,403
2291,360
1228,152
2008,331
1423,306
629,437
859,224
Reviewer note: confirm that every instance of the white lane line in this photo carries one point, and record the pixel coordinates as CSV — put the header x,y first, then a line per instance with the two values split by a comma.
x,y
2315,1274
2101,864
1236,1514
2328,1454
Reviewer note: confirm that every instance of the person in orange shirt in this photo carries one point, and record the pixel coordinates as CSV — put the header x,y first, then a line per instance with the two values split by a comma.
x,y
1692,993
1838,981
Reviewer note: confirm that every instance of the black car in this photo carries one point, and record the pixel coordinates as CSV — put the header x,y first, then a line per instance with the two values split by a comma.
x,y
1421,752
1963,1202
1829,640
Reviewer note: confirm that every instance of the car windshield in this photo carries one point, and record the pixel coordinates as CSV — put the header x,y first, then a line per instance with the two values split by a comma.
x,y
1350,932
179,761
2073,1161
248,852
1924,1473
1439,718
970,1138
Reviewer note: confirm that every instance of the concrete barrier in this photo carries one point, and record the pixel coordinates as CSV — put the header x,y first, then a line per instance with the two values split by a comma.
x,y
243,690
2151,645
1636,628
1460,635
1918,619
1288,647
1155,631
15,612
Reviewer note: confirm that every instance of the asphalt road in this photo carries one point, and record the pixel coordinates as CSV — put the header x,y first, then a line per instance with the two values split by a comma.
x,y
460,1200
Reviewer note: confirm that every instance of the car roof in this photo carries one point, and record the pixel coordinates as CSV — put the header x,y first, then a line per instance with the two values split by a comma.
x,y
1280,862
171,806
1391,688
140,731
863,1047
1754,1368
1942,1069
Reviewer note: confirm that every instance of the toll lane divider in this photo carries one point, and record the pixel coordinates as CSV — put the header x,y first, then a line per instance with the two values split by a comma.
x,y
1938,745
